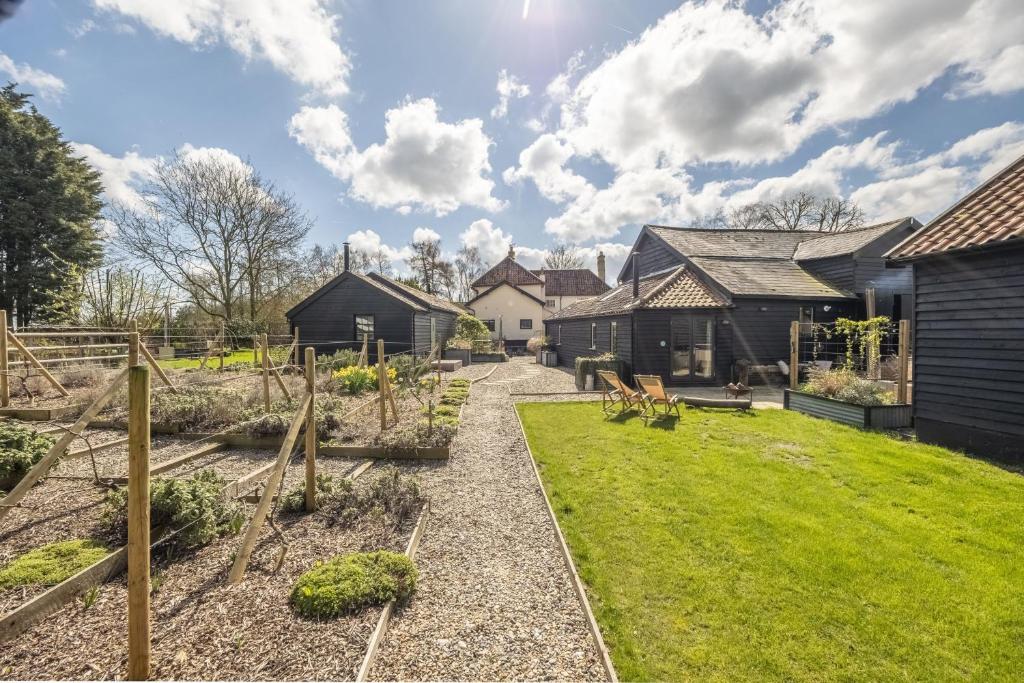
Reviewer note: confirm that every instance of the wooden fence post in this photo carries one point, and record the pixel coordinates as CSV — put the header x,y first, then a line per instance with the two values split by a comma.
x,y
794,354
138,522
255,350
223,340
310,430
295,343
381,376
869,302
266,371
365,353
5,387
904,362
133,343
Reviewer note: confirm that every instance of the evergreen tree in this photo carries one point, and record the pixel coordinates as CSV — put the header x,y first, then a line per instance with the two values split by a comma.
x,y
49,206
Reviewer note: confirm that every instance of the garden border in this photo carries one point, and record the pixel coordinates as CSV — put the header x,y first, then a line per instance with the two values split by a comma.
x,y
895,416
574,577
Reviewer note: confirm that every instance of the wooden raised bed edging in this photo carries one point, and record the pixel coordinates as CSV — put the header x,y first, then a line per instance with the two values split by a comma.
x,y
574,577
866,417
42,414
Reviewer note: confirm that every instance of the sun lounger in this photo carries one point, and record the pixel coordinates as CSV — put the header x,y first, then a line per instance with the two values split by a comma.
x,y
618,397
655,396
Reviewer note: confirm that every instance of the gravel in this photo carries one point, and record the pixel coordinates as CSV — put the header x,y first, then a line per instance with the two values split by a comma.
x,y
495,600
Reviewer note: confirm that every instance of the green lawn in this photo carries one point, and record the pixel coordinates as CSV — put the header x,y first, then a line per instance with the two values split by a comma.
x,y
777,546
230,358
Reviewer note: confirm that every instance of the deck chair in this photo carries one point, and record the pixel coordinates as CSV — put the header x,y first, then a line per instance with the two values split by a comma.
x,y
618,397
654,396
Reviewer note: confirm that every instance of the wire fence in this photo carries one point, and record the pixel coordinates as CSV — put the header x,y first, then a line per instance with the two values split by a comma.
x,y
870,351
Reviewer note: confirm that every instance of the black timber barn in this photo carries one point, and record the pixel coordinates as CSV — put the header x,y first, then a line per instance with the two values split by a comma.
x,y
968,346
407,319
692,302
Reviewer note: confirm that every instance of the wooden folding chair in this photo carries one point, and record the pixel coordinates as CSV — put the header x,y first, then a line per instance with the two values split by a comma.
x,y
654,396
618,393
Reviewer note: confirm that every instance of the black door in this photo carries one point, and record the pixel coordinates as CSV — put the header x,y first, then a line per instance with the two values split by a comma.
x,y
693,348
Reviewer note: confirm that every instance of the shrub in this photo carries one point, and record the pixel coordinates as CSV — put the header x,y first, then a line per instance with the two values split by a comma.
x,y
406,436
20,449
326,488
441,411
194,408
351,582
460,382
342,358
194,506
390,495
256,423
405,367
356,380
843,384
52,563
470,328
589,365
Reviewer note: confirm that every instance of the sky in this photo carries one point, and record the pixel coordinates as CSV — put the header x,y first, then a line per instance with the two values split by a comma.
x,y
540,121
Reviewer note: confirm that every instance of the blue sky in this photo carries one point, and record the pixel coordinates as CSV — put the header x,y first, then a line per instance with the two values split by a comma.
x,y
635,112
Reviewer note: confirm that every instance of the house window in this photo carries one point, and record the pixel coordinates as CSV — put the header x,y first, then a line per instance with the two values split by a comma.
x,y
526,323
490,325
550,303
613,330
593,335
364,326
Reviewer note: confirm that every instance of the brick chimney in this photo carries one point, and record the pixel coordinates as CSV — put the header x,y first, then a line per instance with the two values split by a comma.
x,y
345,245
600,266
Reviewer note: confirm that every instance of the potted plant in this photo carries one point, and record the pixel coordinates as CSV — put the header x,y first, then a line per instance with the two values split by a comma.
x,y
840,395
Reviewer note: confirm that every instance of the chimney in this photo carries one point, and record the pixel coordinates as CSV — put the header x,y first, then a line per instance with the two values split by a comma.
x,y
600,265
636,275
512,252
345,245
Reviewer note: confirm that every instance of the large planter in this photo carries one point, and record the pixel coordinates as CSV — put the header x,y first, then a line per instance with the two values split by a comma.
x,y
465,355
489,358
867,417
549,358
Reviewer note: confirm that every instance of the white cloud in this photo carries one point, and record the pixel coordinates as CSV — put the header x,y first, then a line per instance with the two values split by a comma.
x,y
425,235
423,162
298,37
710,82
46,85
369,242
560,87
509,87
217,154
119,174
491,241
543,162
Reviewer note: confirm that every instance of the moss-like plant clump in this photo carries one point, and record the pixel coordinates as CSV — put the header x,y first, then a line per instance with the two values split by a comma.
x,y
50,564
20,449
351,582
326,489
194,506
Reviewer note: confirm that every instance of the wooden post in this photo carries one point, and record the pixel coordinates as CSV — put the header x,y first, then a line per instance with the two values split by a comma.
x,y
133,343
223,339
310,429
156,368
12,338
5,387
902,395
869,302
265,349
138,522
255,350
794,354
381,376
295,343
365,353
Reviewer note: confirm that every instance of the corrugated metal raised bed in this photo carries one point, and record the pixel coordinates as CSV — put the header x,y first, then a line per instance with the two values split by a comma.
x,y
868,417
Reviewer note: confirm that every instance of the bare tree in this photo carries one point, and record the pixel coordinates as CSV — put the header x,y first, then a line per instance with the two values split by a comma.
x,y
113,297
789,213
835,214
468,267
563,257
377,261
321,264
216,230
428,265
748,217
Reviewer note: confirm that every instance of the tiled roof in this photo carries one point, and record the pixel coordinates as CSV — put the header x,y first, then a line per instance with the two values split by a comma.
x,y
766,277
678,289
427,300
682,289
487,291
992,213
575,282
845,242
507,270
734,243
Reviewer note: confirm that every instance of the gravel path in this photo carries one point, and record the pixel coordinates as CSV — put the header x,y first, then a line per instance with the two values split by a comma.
x,y
495,600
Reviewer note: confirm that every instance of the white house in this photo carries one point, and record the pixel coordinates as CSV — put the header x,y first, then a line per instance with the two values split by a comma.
x,y
514,301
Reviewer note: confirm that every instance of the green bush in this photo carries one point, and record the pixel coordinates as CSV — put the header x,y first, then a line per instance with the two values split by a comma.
x,y
441,411
256,423
470,328
52,563
460,382
20,449
843,384
589,365
342,358
326,489
194,506
348,583
196,408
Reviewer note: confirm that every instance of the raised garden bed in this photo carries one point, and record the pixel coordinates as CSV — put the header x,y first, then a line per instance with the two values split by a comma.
x,y
41,414
867,417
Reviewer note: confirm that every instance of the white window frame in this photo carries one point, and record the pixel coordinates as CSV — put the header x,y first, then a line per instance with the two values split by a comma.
x,y
613,332
593,336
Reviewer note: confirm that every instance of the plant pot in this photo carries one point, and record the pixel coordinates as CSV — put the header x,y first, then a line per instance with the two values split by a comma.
x,y
550,358
867,417
465,355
